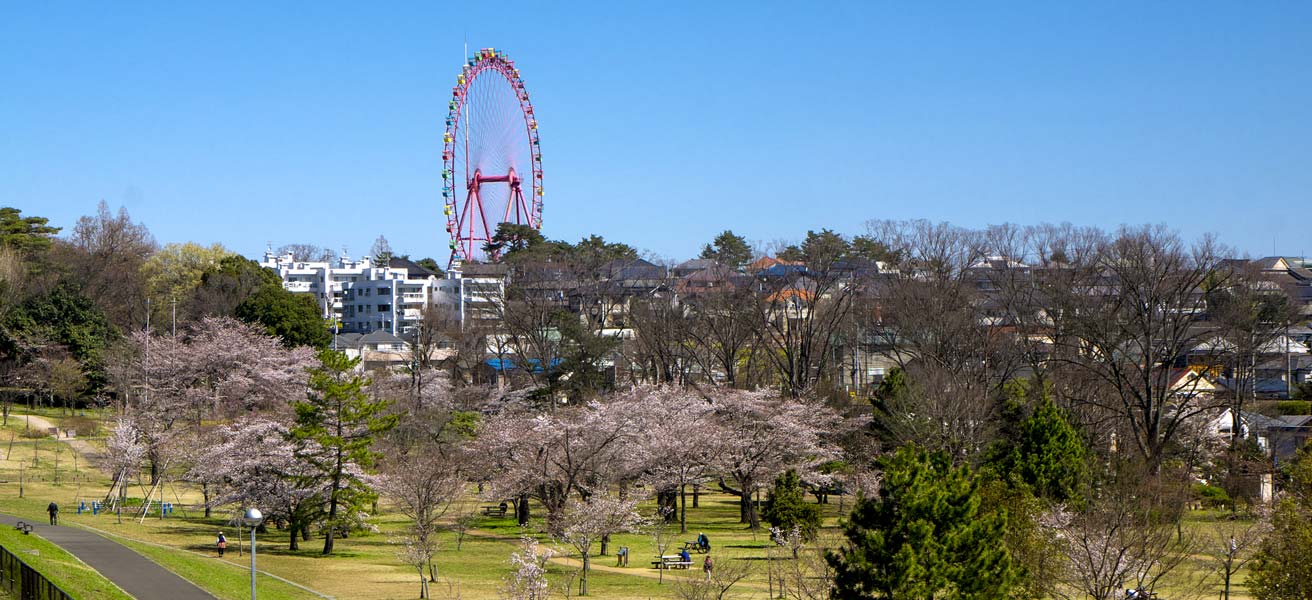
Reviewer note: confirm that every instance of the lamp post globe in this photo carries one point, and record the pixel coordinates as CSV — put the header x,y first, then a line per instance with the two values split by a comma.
x,y
253,517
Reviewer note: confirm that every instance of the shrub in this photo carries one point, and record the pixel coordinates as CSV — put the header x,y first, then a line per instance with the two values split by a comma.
x,y
1211,496
1294,407
787,508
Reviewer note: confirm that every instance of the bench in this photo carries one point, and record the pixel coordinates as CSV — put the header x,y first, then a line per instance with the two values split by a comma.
x,y
494,511
26,528
671,562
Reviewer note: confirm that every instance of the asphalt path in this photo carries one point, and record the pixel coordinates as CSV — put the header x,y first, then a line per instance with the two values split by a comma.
x,y
136,574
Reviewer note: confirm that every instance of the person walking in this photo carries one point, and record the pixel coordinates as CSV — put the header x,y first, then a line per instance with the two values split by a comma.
x,y
53,509
223,544
707,567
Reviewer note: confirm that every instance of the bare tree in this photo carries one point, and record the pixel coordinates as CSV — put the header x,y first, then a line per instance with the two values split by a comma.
x,y
718,585
938,319
306,252
1133,310
661,345
798,313
535,302
720,322
1250,314
66,381
105,253
662,535
1117,542
806,575
423,483
1233,547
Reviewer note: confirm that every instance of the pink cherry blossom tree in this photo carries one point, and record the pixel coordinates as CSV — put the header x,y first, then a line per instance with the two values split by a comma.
x,y
528,580
219,367
124,454
256,462
759,435
583,523
678,447
576,451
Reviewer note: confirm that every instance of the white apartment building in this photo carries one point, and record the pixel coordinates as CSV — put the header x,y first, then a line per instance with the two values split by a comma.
x,y
365,298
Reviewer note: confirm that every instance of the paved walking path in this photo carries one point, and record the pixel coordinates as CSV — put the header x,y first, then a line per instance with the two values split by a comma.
x,y
136,574
89,452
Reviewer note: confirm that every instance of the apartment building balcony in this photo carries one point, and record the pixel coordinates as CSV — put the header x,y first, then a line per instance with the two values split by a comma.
x,y
297,286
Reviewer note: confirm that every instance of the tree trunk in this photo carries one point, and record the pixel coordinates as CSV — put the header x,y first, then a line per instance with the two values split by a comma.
x,y
583,577
521,509
605,544
696,494
332,506
683,514
668,503
294,545
339,472
423,583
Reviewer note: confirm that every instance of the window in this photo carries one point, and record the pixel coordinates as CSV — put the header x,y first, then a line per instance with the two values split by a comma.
x,y
385,291
384,307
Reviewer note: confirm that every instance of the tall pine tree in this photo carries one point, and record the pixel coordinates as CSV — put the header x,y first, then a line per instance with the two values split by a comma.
x,y
1041,449
344,420
924,537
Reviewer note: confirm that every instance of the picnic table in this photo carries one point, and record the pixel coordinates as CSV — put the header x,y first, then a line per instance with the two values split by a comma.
x,y
495,511
693,546
671,561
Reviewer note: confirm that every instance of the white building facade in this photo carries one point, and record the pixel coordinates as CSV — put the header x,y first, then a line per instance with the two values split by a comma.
x,y
363,297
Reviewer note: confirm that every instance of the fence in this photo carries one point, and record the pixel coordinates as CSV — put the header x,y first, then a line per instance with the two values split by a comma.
x,y
23,582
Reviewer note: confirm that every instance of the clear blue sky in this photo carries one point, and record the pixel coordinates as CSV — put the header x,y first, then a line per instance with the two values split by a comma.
x,y
665,122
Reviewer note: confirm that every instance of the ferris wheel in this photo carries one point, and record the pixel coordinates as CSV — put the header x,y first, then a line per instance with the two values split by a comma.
x,y
491,160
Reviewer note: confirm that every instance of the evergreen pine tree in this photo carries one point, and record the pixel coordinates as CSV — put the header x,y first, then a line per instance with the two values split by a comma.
x,y
924,537
787,508
344,420
1042,450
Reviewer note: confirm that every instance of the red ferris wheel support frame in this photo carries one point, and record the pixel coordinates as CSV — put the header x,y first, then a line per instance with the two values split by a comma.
x,y
468,225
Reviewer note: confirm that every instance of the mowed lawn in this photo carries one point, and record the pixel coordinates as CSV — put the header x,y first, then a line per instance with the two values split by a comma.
x,y
365,566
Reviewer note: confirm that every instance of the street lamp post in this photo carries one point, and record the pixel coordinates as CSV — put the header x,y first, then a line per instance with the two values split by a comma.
x,y
252,519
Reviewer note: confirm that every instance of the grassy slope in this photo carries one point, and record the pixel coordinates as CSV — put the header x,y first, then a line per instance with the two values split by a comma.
x,y
60,567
